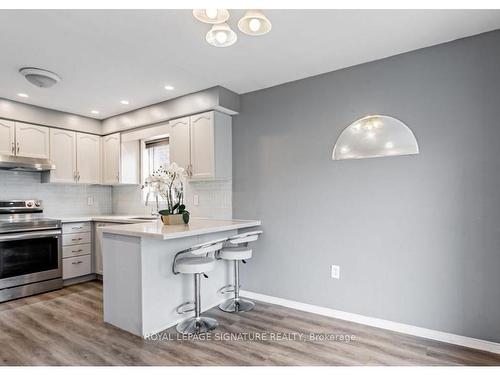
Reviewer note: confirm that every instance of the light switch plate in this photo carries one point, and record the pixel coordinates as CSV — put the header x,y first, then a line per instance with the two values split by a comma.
x,y
196,200
335,272
90,201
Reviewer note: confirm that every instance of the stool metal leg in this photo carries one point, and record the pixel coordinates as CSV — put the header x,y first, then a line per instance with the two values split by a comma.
x,y
236,304
198,323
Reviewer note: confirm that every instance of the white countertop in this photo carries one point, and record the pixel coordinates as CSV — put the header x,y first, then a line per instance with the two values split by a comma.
x,y
195,227
126,219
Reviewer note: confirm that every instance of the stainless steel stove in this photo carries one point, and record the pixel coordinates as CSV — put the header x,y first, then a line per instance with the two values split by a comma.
x,y
30,250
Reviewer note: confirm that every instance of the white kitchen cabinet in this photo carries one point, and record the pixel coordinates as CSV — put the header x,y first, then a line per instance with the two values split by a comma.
x,y
179,140
32,141
203,145
63,155
76,251
111,159
130,163
7,137
88,158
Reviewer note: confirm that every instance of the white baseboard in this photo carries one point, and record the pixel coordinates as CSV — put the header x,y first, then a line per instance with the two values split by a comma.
x,y
450,338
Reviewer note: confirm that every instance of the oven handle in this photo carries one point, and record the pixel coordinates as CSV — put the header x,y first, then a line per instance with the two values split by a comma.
x,y
30,235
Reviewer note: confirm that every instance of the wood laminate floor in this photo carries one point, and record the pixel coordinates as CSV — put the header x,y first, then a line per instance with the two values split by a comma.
x,y
66,328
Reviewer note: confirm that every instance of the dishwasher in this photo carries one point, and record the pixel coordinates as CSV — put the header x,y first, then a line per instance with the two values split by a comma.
x,y
98,245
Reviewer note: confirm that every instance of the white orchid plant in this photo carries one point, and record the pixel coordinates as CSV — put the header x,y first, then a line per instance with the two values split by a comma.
x,y
168,182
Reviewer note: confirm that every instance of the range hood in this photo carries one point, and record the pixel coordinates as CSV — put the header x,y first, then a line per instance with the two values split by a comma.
x,y
22,163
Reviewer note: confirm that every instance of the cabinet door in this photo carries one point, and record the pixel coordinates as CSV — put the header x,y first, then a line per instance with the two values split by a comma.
x,y
7,134
88,158
130,164
63,155
32,141
111,159
202,146
179,142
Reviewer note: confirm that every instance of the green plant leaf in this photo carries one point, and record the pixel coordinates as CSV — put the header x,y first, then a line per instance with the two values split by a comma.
x,y
164,212
185,217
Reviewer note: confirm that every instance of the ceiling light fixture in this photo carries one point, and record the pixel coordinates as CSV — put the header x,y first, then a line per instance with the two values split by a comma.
x,y
40,77
221,35
94,112
125,102
212,16
254,22
23,95
169,88
375,136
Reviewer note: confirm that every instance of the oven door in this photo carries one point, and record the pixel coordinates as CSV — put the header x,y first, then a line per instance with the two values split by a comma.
x,y
30,257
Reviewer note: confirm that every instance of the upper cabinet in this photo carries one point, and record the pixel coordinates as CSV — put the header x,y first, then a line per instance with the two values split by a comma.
x,y
179,140
88,158
77,157
32,141
20,139
111,159
202,144
63,155
7,137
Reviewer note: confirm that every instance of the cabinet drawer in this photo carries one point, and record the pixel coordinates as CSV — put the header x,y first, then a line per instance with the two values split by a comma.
x,y
77,266
76,250
76,227
76,238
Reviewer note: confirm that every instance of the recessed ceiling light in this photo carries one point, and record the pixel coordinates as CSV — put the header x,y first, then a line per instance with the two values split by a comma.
x,y
94,112
23,95
124,102
169,87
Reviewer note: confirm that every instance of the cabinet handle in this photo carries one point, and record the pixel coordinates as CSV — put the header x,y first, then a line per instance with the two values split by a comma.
x,y
77,251
78,176
77,239
13,148
77,228
78,262
18,147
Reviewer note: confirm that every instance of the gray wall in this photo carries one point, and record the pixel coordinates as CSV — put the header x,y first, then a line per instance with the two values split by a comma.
x,y
417,237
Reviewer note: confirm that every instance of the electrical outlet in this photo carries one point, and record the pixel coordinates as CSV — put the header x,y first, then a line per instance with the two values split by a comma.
x,y
196,200
90,201
335,271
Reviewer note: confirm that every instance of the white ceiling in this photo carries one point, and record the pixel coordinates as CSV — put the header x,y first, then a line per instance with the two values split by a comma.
x,y
105,56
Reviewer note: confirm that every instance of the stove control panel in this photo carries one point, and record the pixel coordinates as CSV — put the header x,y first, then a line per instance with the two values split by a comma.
x,y
27,205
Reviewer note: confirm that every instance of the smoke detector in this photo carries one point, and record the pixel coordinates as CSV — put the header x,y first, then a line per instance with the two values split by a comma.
x,y
40,77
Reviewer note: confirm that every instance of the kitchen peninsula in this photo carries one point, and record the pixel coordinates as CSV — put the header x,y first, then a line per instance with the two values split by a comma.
x,y
144,299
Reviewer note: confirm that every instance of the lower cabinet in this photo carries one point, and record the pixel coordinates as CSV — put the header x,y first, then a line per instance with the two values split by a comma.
x,y
77,266
77,250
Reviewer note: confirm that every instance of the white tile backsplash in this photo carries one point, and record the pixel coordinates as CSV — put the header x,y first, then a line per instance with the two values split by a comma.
x,y
215,197
215,200
58,199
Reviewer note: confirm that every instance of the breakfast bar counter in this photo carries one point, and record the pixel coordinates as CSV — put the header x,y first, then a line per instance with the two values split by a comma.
x,y
144,299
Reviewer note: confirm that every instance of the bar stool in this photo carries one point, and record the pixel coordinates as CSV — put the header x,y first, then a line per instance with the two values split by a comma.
x,y
236,250
196,260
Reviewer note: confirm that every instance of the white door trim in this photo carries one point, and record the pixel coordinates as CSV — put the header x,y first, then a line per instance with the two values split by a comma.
x,y
450,338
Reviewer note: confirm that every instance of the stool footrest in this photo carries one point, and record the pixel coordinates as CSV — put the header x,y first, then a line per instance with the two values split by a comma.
x,y
185,308
226,289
